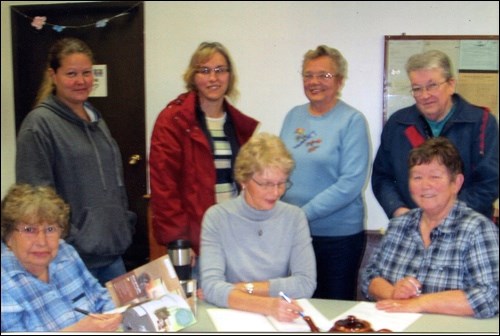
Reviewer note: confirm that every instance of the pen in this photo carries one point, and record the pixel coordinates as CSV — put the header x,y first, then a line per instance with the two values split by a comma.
x,y
287,299
86,312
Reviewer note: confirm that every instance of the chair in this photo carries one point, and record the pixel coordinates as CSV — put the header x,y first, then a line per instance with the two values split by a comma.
x,y
155,250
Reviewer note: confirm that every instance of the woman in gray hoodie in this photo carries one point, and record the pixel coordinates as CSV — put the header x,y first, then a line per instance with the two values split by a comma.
x,y
65,143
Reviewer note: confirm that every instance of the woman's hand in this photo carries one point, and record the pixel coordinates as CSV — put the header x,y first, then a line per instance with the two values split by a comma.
x,y
407,288
193,256
97,322
284,311
398,306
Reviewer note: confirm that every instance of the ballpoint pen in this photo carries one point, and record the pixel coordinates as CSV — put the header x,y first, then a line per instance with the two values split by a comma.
x,y
86,312
308,319
287,299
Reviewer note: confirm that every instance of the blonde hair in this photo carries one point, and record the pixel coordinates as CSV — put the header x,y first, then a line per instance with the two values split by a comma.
x,y
59,50
262,151
201,55
332,53
33,204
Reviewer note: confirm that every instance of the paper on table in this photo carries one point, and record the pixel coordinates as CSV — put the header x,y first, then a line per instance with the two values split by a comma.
x,y
379,319
299,324
231,320
240,321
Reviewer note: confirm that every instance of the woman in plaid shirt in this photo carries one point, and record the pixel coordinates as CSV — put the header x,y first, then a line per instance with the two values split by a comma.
x,y
441,257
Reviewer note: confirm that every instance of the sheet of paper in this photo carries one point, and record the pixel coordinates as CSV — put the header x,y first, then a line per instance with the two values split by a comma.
x,y
299,324
379,319
231,320
239,321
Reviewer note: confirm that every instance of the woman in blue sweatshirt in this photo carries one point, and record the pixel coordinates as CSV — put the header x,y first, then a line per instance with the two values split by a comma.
x,y
329,143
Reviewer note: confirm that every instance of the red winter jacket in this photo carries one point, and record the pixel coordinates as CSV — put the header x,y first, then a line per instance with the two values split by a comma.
x,y
182,170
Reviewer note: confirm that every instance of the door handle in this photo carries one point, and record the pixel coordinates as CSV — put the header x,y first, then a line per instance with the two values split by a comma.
x,y
133,159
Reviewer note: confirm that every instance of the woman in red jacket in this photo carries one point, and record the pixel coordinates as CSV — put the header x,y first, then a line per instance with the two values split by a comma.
x,y
194,143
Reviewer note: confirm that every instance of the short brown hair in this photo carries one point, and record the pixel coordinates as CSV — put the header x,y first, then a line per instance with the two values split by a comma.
x,y
440,149
24,202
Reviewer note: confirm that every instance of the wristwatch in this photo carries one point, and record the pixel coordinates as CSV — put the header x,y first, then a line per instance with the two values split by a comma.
x,y
249,287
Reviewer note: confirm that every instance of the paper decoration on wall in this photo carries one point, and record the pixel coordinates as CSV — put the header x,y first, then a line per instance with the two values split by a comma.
x,y
38,22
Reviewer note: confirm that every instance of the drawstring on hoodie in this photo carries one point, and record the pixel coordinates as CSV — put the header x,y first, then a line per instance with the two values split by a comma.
x,y
98,157
119,181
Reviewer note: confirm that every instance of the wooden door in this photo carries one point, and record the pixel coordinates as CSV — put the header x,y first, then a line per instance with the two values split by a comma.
x,y
118,43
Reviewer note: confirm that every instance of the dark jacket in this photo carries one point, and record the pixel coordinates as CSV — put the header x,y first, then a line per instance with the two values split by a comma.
x,y
182,169
82,162
476,140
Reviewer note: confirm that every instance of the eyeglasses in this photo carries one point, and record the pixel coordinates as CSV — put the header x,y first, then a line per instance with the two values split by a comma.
x,y
268,186
322,76
32,231
217,70
431,88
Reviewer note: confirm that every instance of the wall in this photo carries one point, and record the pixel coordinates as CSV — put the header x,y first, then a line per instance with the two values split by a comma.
x,y
267,41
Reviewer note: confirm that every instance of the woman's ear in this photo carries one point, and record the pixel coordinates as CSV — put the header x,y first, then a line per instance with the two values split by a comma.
x,y
459,181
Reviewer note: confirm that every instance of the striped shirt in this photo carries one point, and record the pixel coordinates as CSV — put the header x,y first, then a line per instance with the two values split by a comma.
x,y
225,187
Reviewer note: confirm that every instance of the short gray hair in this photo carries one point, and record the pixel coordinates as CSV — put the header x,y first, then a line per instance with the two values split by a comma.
x,y
431,59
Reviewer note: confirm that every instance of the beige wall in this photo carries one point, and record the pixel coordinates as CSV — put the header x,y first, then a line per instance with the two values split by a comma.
x,y
267,41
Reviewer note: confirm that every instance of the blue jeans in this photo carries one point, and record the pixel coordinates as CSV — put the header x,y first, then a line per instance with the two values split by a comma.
x,y
109,272
337,264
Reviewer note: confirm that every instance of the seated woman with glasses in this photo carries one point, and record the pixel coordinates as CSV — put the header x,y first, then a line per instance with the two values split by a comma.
x,y
254,246
44,281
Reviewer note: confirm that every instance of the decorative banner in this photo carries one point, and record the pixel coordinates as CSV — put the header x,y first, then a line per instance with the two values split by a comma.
x,y
38,22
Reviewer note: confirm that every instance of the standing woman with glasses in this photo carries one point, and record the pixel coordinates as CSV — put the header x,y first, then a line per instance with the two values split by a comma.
x,y
254,246
438,111
44,280
193,146
329,142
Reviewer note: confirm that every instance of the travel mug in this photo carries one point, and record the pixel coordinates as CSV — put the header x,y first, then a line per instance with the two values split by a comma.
x,y
179,253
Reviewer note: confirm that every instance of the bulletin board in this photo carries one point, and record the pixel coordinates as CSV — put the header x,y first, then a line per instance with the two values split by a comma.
x,y
475,68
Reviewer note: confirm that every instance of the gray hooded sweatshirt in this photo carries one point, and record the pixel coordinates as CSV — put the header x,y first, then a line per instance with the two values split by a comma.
x,y
82,162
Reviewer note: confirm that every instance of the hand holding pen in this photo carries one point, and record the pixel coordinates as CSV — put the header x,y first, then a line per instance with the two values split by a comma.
x,y
306,318
96,322
287,299
86,312
406,288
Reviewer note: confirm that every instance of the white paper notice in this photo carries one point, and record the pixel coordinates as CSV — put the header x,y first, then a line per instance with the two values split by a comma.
x,y
379,319
100,86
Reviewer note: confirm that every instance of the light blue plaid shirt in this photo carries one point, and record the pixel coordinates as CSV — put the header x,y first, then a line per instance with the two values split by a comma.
x,y
463,255
29,304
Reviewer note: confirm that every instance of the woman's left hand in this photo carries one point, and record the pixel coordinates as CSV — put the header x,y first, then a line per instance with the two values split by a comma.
x,y
394,306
